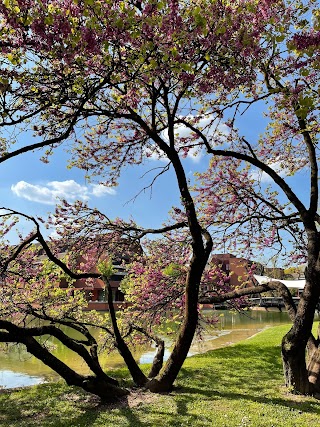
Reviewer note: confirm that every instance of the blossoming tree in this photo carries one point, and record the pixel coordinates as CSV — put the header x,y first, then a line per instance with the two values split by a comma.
x,y
123,81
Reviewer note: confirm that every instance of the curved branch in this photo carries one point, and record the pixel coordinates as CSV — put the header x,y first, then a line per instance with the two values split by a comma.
x,y
42,144
17,252
69,129
158,358
61,264
77,346
268,170
176,226
273,285
137,375
20,336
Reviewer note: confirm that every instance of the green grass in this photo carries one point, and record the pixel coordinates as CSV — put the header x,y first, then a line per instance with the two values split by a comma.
x,y
237,386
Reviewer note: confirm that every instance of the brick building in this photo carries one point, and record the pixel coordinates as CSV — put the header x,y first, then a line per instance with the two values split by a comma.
x,y
95,289
236,267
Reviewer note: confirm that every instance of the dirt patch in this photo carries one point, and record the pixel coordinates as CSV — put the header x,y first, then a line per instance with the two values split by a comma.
x,y
85,400
138,397
134,399
11,390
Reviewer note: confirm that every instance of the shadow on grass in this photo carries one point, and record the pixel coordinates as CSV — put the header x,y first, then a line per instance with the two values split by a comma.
x,y
62,406
310,407
241,372
17,409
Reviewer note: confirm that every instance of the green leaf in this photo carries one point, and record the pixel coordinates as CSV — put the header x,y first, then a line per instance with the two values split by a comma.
x,y
221,30
48,20
304,72
106,268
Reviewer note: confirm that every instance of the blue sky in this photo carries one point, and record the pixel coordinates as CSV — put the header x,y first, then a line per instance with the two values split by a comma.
x,y
30,186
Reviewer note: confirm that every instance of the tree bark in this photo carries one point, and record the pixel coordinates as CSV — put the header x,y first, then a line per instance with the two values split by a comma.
x,y
299,338
137,375
157,360
101,384
294,364
314,370
182,345
314,362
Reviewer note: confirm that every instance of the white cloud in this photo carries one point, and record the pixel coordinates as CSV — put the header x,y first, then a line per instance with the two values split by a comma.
x,y
155,154
195,154
277,166
49,193
258,175
100,190
208,125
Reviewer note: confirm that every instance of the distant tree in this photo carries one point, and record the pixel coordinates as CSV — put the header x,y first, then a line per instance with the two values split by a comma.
x,y
121,82
295,272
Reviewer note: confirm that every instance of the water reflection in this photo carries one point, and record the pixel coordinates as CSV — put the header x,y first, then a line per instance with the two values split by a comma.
x,y
10,379
18,368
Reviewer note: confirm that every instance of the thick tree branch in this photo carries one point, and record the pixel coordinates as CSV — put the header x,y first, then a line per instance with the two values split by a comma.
x,y
42,144
240,292
16,253
137,375
77,346
158,358
267,169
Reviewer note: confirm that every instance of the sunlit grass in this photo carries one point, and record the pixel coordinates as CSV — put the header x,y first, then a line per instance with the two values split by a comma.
x,y
236,386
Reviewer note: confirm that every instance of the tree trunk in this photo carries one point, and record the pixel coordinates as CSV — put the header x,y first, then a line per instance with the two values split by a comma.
x,y
100,386
182,345
294,364
137,375
314,362
157,360
165,382
314,370
295,342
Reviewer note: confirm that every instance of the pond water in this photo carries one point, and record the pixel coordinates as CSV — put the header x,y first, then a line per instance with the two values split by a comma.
x,y
18,368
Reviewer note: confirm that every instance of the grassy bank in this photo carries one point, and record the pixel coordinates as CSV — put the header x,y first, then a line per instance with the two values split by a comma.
x,y
237,386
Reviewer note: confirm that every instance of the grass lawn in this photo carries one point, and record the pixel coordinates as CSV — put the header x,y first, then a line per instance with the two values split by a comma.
x,y
236,386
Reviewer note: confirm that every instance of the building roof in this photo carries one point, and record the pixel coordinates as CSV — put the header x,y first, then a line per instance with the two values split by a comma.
x,y
298,284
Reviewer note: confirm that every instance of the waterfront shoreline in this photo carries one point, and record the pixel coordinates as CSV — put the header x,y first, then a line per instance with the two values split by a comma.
x,y
233,386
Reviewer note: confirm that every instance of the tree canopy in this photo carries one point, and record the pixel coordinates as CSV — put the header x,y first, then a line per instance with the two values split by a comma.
x,y
121,82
